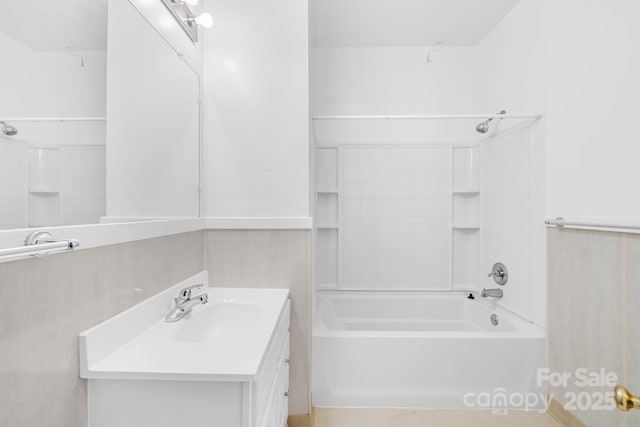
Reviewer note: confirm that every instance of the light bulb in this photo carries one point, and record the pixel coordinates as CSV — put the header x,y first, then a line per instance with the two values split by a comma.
x,y
204,20
191,2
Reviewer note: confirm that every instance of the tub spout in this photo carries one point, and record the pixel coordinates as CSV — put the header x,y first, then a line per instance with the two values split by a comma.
x,y
495,293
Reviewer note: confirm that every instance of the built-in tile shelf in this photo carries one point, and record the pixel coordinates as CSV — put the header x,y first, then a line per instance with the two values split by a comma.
x,y
327,217
328,226
327,191
327,286
466,191
465,218
465,226
43,190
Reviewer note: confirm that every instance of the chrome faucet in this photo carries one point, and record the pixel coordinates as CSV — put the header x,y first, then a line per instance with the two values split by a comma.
x,y
495,293
184,303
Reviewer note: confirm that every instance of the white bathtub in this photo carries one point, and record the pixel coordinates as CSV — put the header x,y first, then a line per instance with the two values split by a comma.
x,y
423,350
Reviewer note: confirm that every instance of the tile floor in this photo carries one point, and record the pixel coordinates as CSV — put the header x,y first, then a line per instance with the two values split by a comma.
x,y
332,417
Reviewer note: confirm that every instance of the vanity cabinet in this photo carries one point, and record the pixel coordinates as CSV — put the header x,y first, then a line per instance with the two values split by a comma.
x,y
261,402
233,372
271,389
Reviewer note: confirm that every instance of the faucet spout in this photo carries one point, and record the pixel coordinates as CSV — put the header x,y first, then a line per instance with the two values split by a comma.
x,y
494,293
189,304
184,304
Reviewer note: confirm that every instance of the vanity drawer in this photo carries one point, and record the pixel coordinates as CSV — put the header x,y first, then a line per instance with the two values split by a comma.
x,y
268,383
276,411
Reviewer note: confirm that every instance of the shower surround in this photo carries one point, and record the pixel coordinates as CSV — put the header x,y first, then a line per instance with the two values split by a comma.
x,y
410,218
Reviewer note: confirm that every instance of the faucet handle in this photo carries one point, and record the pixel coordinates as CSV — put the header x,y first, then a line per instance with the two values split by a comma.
x,y
496,273
499,273
185,293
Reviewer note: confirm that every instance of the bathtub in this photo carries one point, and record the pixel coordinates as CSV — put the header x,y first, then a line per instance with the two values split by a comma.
x,y
423,350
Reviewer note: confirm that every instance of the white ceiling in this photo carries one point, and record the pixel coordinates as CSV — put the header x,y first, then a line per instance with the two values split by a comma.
x,y
349,23
56,25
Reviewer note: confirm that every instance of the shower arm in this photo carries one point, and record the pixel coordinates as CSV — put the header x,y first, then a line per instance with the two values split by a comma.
x,y
501,113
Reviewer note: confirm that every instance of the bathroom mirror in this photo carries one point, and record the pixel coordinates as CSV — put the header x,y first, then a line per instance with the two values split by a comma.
x,y
53,105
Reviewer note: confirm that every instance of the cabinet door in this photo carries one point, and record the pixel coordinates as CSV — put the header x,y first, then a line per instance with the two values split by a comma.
x,y
273,380
283,387
277,411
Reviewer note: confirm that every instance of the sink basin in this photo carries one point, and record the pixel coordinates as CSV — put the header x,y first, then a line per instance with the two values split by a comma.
x,y
219,319
223,340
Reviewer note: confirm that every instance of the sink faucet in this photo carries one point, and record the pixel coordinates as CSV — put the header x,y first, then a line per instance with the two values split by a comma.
x,y
496,293
184,303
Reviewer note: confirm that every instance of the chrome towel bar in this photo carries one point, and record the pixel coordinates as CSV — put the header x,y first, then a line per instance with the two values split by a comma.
x,y
39,243
561,222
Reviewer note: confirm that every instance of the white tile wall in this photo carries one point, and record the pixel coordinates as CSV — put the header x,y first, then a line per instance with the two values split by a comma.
x,y
13,185
83,185
466,255
77,172
396,211
396,217
326,253
505,213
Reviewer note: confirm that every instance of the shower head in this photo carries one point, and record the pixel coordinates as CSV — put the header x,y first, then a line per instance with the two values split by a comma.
x,y
484,126
7,129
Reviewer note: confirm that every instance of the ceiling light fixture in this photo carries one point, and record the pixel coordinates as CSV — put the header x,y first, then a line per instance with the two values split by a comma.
x,y
204,20
188,20
189,2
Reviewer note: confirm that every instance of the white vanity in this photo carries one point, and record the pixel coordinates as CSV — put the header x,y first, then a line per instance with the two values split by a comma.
x,y
225,364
